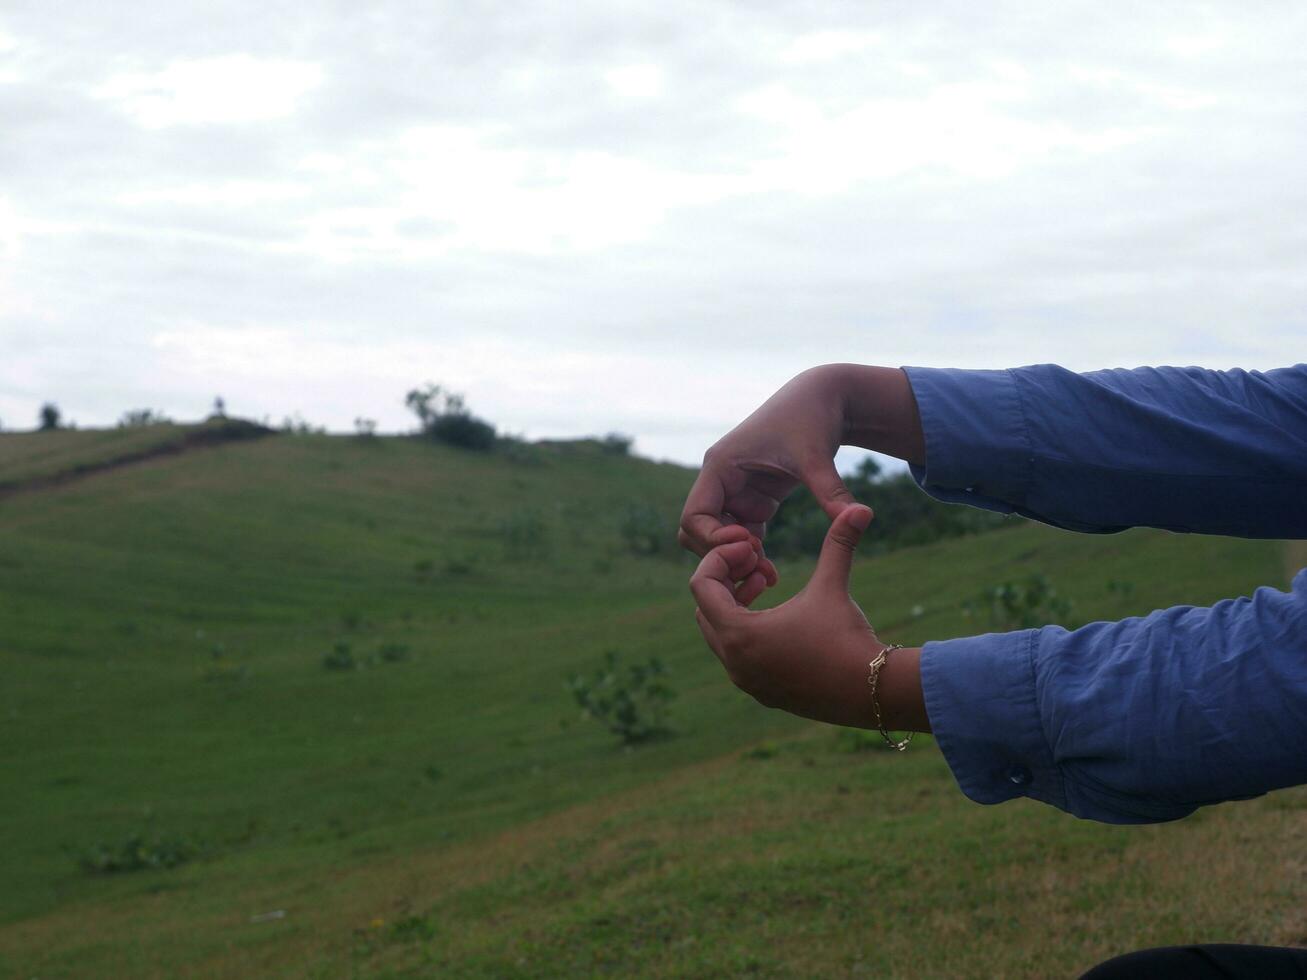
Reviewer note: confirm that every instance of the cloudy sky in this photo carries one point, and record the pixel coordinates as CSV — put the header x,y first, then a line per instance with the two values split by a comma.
x,y
636,217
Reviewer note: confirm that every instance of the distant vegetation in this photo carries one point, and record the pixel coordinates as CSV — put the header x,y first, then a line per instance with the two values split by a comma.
x,y
445,417
137,852
1025,605
631,703
905,516
137,417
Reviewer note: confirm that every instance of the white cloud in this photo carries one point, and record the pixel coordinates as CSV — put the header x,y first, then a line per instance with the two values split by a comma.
x,y
636,81
232,88
822,46
974,130
497,197
1193,45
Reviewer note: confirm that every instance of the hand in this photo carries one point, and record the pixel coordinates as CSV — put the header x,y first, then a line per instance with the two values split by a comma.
x,y
792,438
809,655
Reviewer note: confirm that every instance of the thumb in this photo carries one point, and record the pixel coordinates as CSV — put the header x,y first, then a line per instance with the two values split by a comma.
x,y
828,488
832,572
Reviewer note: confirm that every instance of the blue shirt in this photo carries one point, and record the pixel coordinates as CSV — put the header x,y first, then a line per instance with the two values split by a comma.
x,y
1149,718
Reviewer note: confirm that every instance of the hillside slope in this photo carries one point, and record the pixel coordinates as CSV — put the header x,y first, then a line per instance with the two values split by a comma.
x,y
163,629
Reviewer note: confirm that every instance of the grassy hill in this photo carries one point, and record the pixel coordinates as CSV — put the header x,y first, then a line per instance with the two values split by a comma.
x,y
443,810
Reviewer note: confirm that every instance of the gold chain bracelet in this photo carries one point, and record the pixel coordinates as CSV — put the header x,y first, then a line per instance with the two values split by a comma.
x,y
875,667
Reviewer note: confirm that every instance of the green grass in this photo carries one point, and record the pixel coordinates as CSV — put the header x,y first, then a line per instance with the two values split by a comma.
x,y
28,458
162,630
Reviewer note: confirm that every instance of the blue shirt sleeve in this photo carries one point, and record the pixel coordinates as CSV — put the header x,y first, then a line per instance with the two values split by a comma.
x,y
1185,449
1149,718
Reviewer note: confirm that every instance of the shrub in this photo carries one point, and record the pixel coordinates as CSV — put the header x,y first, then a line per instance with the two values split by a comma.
x,y
365,428
138,852
341,657
463,430
645,530
1026,605
632,704
393,653
616,444
136,418
453,423
298,425
50,417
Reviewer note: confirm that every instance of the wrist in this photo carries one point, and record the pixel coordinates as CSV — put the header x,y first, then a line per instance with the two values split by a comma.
x,y
878,408
898,693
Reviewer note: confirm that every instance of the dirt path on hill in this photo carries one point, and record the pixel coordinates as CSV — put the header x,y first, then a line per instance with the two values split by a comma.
x,y
234,430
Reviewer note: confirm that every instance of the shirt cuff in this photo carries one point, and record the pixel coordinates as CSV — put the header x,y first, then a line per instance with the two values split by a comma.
x,y
977,440
984,713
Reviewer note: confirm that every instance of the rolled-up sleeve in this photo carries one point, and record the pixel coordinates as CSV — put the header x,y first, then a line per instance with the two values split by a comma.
x,y
1149,718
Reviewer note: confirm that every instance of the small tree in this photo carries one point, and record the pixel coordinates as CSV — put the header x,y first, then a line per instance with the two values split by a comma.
x,y
50,417
219,408
365,428
453,423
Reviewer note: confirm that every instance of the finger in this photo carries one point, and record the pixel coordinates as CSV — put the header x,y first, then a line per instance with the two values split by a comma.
x,y
729,534
713,582
765,564
726,535
826,485
751,588
702,515
751,506
836,558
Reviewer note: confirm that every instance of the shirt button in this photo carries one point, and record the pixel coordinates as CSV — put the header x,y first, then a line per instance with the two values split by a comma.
x,y
1018,775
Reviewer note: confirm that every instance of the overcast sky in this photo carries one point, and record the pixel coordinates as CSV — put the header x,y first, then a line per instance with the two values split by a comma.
x,y
636,217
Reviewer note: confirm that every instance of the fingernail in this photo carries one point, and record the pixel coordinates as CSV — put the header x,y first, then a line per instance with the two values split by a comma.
x,y
860,518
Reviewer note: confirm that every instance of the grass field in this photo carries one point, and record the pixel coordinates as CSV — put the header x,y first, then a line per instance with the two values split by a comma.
x,y
444,811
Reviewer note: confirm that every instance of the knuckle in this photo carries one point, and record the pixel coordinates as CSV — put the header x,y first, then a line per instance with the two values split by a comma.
x,y
843,541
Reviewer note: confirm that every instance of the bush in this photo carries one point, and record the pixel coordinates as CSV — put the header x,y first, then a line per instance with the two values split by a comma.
x,y
1026,605
630,704
463,430
136,418
393,653
298,425
341,657
365,428
50,417
646,531
137,853
453,423
616,444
